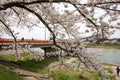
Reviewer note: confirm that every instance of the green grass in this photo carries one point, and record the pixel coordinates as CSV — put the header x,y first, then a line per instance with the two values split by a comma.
x,y
74,75
70,74
32,65
8,74
65,74
8,57
108,46
42,67
91,75
36,66
109,70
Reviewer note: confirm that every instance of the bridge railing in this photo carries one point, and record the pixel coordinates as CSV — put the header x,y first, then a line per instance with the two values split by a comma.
x,y
6,41
35,41
27,41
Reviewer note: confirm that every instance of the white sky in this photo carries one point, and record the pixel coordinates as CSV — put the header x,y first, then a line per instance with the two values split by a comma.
x,y
116,34
39,33
36,33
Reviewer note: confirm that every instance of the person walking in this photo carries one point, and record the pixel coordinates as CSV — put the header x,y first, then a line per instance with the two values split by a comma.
x,y
117,70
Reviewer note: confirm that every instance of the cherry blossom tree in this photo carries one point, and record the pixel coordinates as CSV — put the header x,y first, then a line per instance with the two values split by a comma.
x,y
99,15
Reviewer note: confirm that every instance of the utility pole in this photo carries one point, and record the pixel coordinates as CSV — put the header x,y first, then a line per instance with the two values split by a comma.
x,y
45,33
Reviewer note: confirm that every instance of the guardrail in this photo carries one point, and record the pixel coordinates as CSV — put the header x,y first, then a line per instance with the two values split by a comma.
x,y
26,41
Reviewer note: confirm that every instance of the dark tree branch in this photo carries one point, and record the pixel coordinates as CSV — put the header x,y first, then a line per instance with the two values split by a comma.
x,y
46,25
15,3
17,15
107,9
111,2
87,18
15,41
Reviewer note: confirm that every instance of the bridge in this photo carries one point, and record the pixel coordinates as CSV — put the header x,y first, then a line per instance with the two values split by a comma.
x,y
47,45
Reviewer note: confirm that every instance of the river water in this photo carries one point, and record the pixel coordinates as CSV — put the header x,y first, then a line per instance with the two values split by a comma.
x,y
110,56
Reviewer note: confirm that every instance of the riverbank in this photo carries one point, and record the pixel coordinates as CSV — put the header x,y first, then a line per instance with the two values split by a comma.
x,y
113,67
107,46
114,72
27,69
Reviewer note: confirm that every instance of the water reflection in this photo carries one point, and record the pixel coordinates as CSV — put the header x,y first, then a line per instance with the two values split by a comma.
x,y
36,49
111,56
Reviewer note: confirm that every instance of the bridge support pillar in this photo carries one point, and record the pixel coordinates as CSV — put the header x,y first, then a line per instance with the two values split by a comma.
x,y
45,52
0,47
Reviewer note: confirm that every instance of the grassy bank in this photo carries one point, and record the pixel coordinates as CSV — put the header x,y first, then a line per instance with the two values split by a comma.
x,y
36,66
107,46
8,74
69,74
41,67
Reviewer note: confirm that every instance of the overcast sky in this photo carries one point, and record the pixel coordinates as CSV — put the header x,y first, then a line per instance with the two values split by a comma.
x,y
36,33
39,33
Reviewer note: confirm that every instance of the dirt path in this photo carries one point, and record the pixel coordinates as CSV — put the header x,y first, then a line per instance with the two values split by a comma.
x,y
25,74
70,60
114,72
113,68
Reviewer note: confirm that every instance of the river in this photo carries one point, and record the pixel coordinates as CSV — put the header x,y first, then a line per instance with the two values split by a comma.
x,y
110,56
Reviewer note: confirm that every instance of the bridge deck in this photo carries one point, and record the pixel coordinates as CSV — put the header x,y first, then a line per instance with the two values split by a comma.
x,y
8,43
25,41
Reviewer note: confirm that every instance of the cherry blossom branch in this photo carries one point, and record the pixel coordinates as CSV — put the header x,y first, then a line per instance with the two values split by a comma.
x,y
15,41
